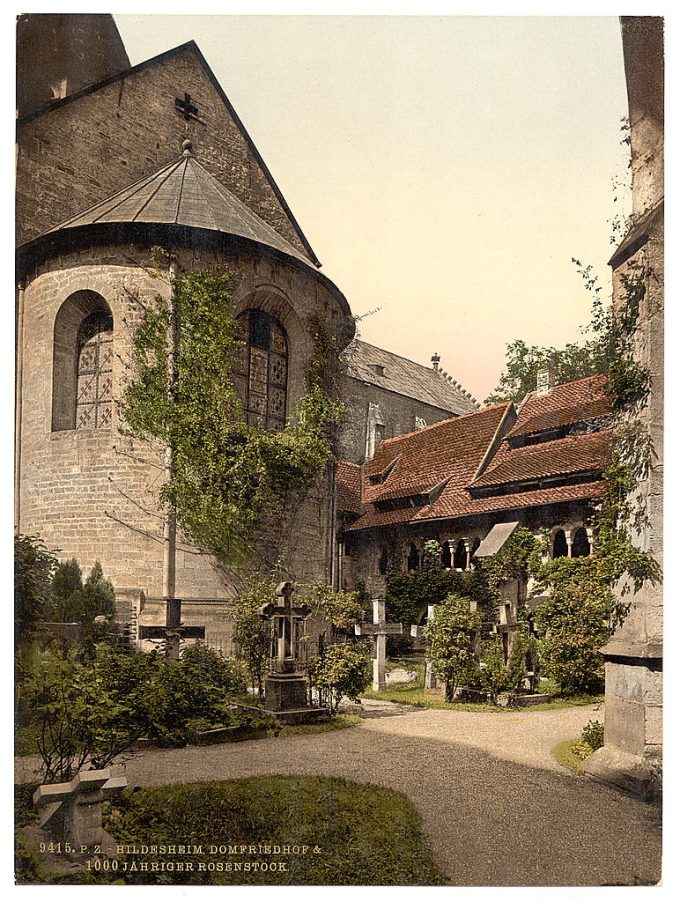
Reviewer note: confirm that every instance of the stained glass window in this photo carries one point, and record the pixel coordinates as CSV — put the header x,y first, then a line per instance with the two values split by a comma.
x,y
261,370
94,392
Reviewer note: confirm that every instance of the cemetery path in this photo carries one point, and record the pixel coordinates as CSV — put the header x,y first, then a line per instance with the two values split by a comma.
x,y
496,808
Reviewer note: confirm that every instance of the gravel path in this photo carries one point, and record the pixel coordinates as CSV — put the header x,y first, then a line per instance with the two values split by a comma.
x,y
496,808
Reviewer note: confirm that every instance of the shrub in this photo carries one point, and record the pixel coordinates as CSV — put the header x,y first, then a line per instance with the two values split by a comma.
x,y
575,620
451,638
593,734
251,634
204,665
33,569
342,670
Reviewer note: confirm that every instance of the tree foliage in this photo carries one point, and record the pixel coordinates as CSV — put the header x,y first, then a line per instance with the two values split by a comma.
x,y
225,472
34,566
451,637
341,670
252,634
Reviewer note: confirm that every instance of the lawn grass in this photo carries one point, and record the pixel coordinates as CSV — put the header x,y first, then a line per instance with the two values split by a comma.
x,y
413,694
563,753
355,834
339,722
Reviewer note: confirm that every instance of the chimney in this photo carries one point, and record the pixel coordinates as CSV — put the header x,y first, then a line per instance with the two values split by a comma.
x,y
545,378
435,361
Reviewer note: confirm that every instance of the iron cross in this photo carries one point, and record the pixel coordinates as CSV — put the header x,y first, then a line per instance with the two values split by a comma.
x,y
186,107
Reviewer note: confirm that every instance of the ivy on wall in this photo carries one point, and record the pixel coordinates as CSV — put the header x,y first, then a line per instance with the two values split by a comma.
x,y
225,472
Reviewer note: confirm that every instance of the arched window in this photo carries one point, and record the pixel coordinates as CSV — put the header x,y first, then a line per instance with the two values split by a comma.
x,y
475,545
460,556
261,369
580,545
382,562
82,364
413,559
560,548
94,371
446,556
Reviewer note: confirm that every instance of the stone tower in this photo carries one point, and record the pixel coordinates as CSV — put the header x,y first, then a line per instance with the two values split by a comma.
x,y
631,756
59,54
152,155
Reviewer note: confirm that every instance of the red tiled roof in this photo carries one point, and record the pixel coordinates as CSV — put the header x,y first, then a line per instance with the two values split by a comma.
x,y
448,455
451,450
457,505
573,454
564,404
348,480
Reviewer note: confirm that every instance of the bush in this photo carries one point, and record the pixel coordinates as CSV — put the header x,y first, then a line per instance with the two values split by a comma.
x,y
80,720
342,670
593,734
204,665
33,569
575,620
451,638
251,634
91,604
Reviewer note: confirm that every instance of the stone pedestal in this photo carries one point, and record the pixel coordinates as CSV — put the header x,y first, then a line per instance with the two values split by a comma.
x,y
286,697
284,691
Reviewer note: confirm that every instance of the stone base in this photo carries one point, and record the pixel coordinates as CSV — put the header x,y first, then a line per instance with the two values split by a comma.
x,y
636,775
285,691
296,716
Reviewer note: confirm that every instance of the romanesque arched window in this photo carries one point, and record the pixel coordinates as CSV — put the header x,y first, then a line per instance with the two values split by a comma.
x,y
94,371
460,556
446,556
82,363
560,547
580,546
413,562
261,369
382,561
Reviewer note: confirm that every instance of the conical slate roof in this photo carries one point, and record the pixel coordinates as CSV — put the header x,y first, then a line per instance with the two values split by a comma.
x,y
183,193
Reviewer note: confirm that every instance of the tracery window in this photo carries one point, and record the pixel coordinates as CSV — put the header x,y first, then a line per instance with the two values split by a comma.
x,y
94,372
261,369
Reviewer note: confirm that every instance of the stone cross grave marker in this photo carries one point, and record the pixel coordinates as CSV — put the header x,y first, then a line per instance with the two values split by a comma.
x,y
417,633
284,614
173,631
72,812
379,630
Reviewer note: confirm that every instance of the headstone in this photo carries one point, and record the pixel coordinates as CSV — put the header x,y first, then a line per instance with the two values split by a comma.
x,y
72,812
379,630
417,632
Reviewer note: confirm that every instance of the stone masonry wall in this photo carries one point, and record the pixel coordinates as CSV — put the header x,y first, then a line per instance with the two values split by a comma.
x,y
92,493
83,150
398,411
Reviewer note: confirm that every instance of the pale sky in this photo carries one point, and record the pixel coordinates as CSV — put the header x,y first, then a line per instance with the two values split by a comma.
x,y
444,169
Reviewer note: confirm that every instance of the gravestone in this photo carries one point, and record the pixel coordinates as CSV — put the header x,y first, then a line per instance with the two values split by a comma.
x,y
285,692
417,633
379,630
71,813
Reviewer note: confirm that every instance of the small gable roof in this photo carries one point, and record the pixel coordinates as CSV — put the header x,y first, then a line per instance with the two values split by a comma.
x,y
571,402
397,374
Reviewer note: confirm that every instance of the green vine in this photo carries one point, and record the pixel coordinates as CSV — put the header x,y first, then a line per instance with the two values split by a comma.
x,y
225,472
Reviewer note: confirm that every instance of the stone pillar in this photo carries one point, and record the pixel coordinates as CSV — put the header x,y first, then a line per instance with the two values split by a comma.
x,y
632,753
